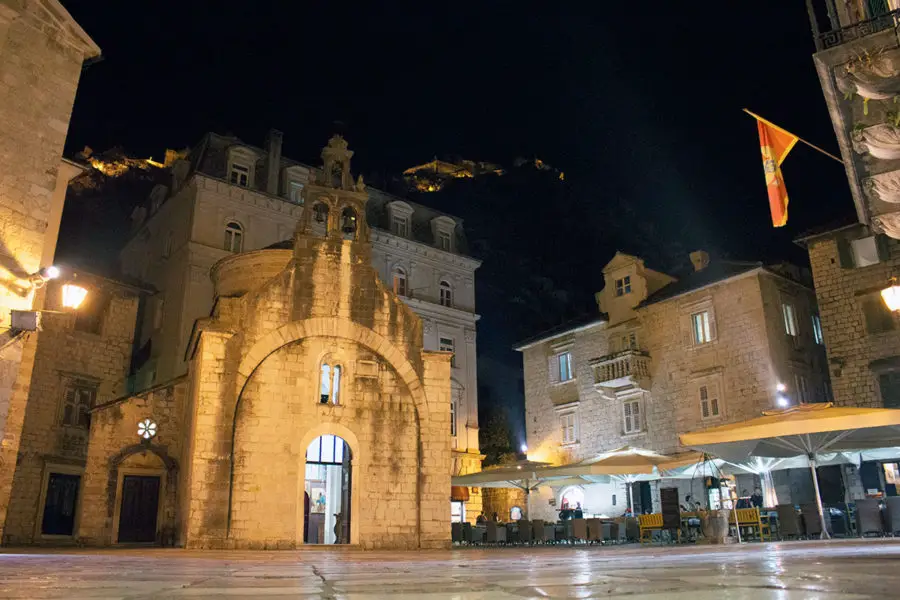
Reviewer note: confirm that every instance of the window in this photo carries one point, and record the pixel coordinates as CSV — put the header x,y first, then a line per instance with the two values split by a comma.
x,y
240,174
564,366
329,384
702,332
623,286
60,504
613,499
400,283
400,225
446,294
629,341
77,401
453,417
448,345
295,192
567,427
444,240
632,412
709,404
802,388
817,329
865,251
876,315
89,316
234,237
790,319
890,389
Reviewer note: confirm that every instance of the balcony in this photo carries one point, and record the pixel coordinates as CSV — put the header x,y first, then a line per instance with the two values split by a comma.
x,y
872,23
629,368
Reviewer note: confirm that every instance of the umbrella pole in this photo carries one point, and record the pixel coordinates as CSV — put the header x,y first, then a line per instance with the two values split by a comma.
x,y
527,501
812,467
630,498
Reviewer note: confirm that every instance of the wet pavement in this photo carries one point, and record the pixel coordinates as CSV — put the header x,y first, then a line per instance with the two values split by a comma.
x,y
841,569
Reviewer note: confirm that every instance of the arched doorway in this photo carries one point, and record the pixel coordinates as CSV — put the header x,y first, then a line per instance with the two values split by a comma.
x,y
326,495
572,498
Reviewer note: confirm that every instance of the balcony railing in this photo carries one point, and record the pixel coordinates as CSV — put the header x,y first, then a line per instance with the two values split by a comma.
x,y
628,367
861,29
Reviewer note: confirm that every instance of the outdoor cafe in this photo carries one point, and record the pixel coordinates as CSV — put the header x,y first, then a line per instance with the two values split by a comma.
x,y
806,438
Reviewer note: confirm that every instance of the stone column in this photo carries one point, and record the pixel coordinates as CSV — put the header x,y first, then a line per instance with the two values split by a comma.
x,y
435,465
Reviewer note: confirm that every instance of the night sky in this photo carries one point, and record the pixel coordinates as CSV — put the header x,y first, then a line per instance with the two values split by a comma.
x,y
639,103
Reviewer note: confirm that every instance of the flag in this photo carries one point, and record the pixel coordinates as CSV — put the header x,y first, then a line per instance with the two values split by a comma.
x,y
775,143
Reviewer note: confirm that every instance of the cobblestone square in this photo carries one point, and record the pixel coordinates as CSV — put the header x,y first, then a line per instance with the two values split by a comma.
x,y
785,571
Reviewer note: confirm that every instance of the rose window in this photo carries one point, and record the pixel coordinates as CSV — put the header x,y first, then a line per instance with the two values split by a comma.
x,y
146,429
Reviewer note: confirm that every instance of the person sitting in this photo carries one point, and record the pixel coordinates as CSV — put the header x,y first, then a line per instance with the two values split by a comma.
x,y
756,499
495,518
481,519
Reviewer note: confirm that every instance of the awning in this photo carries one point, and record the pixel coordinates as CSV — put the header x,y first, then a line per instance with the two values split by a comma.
x,y
459,493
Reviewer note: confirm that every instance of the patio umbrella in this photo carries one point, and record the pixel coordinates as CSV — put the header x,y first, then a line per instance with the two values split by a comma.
x,y
525,475
808,429
626,465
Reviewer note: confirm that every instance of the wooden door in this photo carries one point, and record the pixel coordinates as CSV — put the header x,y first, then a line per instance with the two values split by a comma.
x,y
59,508
140,507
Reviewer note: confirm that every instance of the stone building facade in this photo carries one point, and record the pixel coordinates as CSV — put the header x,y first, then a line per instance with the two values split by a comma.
x,y
310,411
226,197
41,54
663,357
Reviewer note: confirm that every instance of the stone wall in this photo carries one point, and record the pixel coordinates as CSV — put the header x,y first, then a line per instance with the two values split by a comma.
x,y
41,52
64,357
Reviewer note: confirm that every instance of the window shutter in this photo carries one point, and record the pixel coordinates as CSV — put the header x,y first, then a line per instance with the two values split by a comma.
x,y
636,415
554,369
882,245
712,324
845,253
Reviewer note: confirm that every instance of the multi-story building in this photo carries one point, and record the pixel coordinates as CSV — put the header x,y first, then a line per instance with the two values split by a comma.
x,y
663,357
226,197
42,50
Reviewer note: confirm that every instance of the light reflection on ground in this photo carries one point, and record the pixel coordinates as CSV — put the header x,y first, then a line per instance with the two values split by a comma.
x,y
839,569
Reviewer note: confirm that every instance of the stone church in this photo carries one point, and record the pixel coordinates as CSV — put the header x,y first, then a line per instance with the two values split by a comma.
x,y
310,412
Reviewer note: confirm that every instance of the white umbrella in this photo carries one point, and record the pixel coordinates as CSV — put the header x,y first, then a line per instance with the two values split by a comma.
x,y
805,430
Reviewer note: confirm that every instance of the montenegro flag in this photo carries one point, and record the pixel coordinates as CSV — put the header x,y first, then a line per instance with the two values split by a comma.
x,y
775,143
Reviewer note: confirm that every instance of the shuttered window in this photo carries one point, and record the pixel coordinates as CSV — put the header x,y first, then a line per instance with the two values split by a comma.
x,y
77,401
632,412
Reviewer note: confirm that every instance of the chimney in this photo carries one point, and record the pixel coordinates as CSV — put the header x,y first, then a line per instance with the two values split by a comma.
x,y
700,260
273,160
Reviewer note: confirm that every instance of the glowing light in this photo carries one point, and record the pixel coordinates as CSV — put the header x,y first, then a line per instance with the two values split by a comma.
x,y
51,272
73,295
782,401
891,295
524,448
780,387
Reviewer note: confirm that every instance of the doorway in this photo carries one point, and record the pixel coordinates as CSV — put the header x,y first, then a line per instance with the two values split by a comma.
x,y
326,495
140,508
60,504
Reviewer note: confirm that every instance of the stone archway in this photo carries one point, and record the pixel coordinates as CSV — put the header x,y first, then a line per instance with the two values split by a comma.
x,y
141,485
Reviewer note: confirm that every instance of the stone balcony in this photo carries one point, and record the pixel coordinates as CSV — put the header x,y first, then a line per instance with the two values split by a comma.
x,y
628,368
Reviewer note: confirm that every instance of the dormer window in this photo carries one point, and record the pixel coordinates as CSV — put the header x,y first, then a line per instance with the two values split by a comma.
x,y
295,192
442,229
623,286
240,175
444,240
400,225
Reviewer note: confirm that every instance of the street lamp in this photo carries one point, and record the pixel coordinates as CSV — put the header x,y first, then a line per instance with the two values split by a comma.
x,y
891,295
73,295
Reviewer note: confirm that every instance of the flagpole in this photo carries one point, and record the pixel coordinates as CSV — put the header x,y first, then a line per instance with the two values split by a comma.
x,y
799,139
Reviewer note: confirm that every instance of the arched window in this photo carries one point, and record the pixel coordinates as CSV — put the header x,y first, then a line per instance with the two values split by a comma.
x,y
401,287
446,294
234,237
329,384
348,223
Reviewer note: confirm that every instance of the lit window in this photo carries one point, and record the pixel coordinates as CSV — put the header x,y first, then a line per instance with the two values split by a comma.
x,y
567,427
240,175
444,240
817,329
329,384
790,319
400,283
446,294
709,404
564,366
632,412
295,192
77,401
448,345
400,225
234,237
623,286
701,329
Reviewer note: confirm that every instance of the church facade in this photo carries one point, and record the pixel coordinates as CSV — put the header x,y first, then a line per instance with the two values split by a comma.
x,y
310,411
